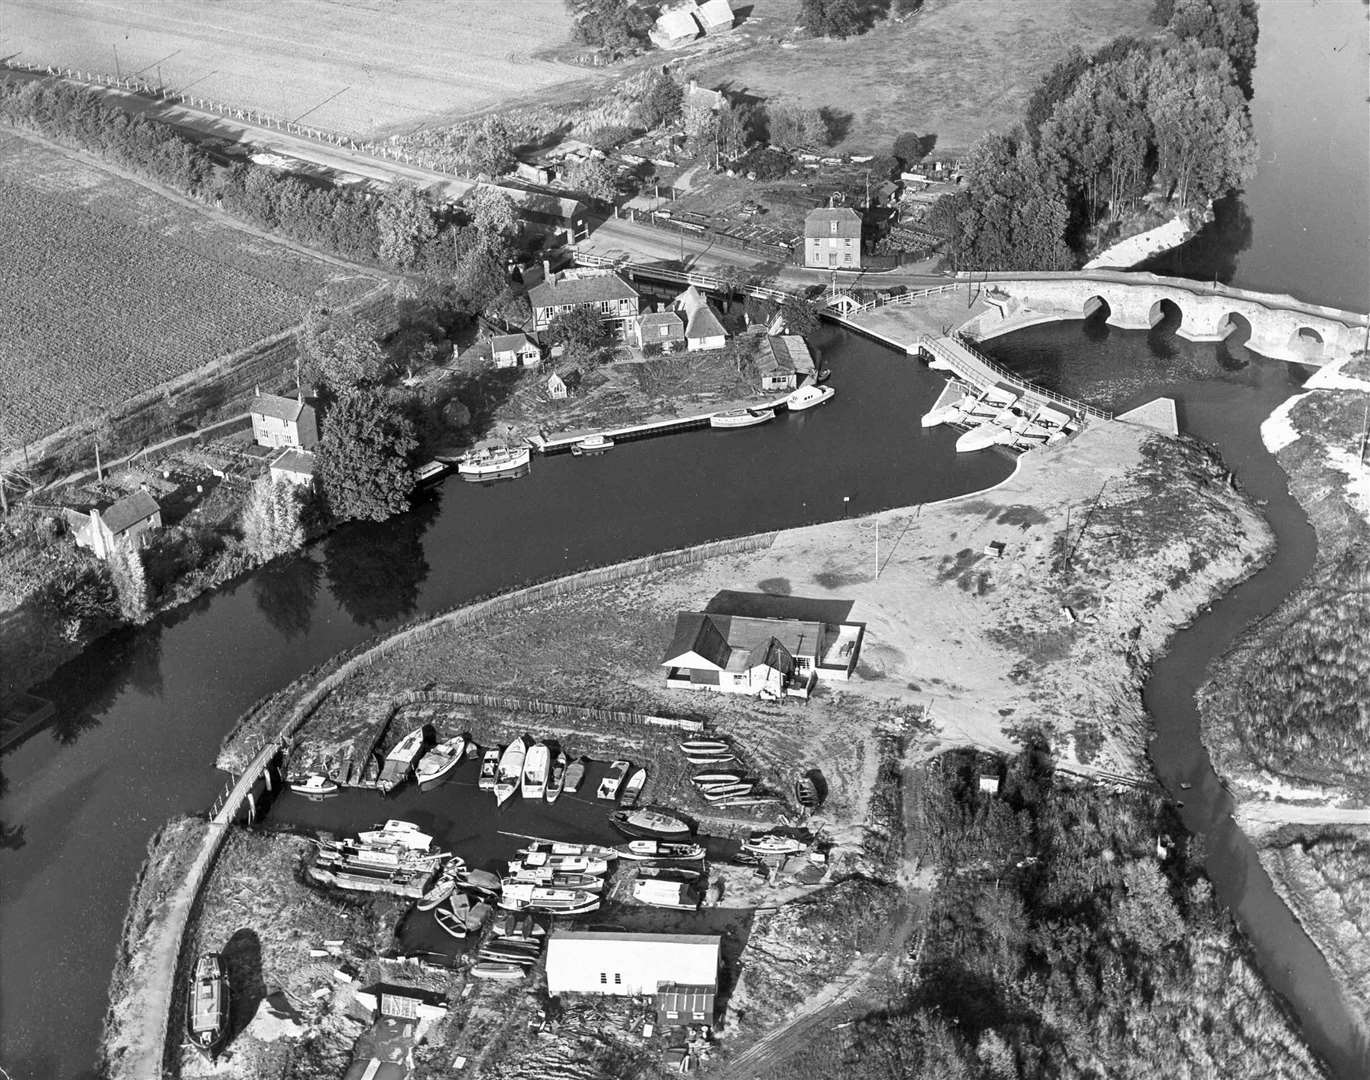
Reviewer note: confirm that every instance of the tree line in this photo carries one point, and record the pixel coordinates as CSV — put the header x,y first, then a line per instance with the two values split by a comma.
x,y
1165,116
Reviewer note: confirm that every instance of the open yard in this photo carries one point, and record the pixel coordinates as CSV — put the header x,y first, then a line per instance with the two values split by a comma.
x,y
353,66
954,70
110,288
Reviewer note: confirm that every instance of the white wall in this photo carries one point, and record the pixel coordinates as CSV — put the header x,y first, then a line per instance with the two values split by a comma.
x,y
611,964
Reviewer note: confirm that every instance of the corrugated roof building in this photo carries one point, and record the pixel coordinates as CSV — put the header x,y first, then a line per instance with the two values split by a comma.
x,y
601,962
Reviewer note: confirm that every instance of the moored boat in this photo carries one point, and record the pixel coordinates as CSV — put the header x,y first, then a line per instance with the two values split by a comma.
x,y
739,418
773,844
315,785
983,437
492,462
454,924
649,825
593,444
526,896
661,850
575,776
556,779
613,780
482,881
561,864
558,847
489,770
440,891
490,970
524,876
399,763
394,833
434,766
510,772
429,471
207,1005
806,397
535,766
632,790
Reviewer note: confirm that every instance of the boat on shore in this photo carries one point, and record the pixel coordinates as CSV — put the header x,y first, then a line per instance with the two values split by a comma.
x,y
400,762
809,396
705,746
718,776
316,786
490,970
613,780
207,1005
719,792
556,779
679,895
679,874
773,844
536,764
489,770
660,850
649,825
493,462
632,790
711,757
740,418
434,766
593,444
575,776
510,773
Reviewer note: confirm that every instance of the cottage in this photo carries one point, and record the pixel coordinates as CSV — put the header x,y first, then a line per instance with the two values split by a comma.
x,y
514,350
785,362
737,654
703,327
665,329
701,97
552,211
675,27
282,421
293,467
832,238
601,291
680,970
126,521
715,16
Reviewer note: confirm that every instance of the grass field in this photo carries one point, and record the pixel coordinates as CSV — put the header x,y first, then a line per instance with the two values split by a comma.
x,y
956,69
110,289
352,65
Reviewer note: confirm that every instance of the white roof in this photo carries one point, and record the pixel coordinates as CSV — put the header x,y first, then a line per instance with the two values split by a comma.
x,y
715,13
630,963
677,23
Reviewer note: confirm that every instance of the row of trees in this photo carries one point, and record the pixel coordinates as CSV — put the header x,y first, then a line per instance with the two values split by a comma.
x,y
1167,115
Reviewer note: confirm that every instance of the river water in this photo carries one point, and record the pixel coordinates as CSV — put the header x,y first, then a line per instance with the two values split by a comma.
x,y
141,715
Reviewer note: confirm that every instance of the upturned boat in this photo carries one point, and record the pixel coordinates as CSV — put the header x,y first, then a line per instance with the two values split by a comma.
x,y
207,1005
434,766
632,790
710,758
535,767
613,780
492,462
717,776
726,791
661,850
489,770
510,772
315,785
575,776
556,779
487,969
705,746
649,825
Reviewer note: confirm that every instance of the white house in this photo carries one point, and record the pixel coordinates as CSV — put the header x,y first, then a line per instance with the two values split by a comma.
x,y
127,521
282,421
602,291
832,238
293,467
703,327
602,962
514,350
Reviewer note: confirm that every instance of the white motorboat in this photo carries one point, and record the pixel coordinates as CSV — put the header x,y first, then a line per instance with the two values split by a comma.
x,y
667,894
739,418
556,847
524,876
632,790
439,761
526,896
594,444
649,825
772,844
662,850
556,779
315,785
492,462
510,773
983,437
536,765
489,770
609,786
393,833
806,397
561,864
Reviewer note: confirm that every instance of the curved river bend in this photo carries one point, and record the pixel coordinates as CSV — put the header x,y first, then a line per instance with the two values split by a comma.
x,y
141,715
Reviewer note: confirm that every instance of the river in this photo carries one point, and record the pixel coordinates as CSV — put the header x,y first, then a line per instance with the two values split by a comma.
x,y
141,715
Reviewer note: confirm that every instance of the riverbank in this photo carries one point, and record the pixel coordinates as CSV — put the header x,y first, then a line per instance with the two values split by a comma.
x,y
1125,252
1283,713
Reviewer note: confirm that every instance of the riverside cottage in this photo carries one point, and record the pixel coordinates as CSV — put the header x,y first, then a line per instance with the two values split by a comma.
x,y
785,363
514,350
665,329
602,291
832,238
281,421
126,521
703,327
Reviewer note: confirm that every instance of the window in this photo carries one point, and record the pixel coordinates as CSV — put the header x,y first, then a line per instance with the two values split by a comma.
x,y
665,331
673,1016
618,979
603,978
832,227
847,257
846,243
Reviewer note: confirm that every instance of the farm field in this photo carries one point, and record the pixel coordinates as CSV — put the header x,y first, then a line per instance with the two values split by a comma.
x,y
110,289
353,66
956,69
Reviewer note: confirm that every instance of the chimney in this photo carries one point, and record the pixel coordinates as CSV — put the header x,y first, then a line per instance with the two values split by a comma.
x,y
547,270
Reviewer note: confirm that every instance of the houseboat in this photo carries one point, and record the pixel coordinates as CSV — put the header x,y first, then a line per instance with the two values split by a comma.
x,y
434,766
510,773
806,397
399,763
207,1005
557,847
594,444
493,462
739,418
660,851
535,767
544,862
315,785
430,472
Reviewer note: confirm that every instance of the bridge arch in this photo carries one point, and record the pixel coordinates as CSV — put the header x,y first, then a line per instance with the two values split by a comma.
x,y
1307,343
1235,328
1166,314
1096,307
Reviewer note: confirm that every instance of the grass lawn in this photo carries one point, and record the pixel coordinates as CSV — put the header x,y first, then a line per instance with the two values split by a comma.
x,y
954,70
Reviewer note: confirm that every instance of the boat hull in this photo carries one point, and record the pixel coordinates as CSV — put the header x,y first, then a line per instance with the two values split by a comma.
x,y
743,419
494,466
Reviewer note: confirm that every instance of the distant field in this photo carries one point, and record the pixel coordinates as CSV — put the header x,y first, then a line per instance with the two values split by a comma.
x,y
109,289
956,69
388,62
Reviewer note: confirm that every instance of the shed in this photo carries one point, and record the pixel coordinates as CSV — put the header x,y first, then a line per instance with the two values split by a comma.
x,y
628,964
716,16
675,27
785,363
679,1005
514,350
293,467
556,387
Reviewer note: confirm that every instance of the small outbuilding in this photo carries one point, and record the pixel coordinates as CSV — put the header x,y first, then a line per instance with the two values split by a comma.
x,y
293,467
785,362
282,421
675,27
514,350
715,16
560,385
665,329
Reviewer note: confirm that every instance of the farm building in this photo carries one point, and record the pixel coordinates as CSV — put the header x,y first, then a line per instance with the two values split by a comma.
x,y
832,238
282,421
785,363
703,327
715,16
602,291
127,521
737,654
293,467
552,211
514,350
680,970
675,27
663,328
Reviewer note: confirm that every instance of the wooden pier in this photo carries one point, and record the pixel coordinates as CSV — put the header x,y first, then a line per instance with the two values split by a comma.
x,y
565,440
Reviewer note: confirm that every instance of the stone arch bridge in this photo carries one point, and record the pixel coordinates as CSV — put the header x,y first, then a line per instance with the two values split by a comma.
x,y
1273,325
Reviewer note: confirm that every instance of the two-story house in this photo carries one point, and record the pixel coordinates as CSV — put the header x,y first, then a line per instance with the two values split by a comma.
x,y
127,521
832,238
283,422
602,291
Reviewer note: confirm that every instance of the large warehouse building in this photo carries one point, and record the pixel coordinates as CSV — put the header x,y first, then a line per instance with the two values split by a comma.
x,y
679,970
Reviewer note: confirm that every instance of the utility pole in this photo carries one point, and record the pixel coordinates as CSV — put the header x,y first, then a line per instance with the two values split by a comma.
x,y
118,74
99,472
877,547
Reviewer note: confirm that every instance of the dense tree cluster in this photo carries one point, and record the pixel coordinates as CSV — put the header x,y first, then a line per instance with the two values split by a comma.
x,y
617,27
1167,115
364,455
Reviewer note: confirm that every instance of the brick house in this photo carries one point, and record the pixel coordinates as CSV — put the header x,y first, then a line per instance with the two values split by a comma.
x,y
663,328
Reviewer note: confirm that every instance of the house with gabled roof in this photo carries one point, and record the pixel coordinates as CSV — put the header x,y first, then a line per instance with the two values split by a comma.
x,y
703,325
784,363
602,291
514,350
293,467
282,421
832,238
664,329
675,27
124,521
680,970
715,16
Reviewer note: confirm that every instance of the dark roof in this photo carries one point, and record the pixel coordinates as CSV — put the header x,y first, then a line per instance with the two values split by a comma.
x,y
580,290
698,633
787,352
819,222
282,408
128,511
296,461
739,643
669,319
674,997
508,342
771,653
